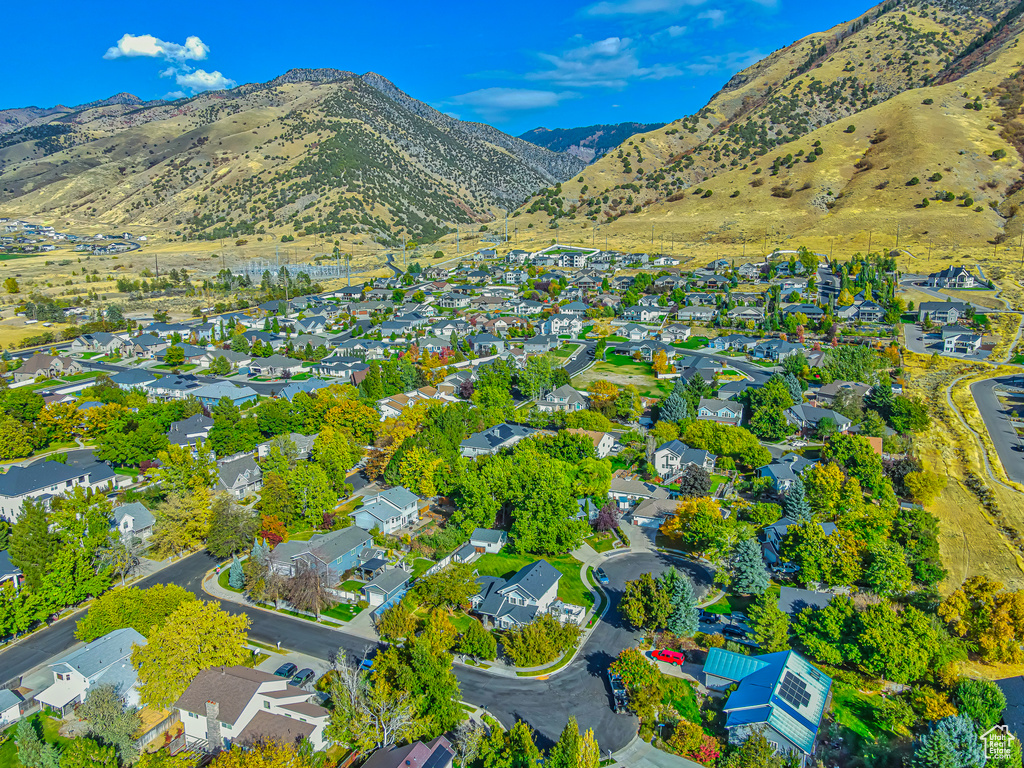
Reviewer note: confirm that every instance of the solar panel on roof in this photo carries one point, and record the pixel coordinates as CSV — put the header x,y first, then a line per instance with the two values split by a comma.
x,y
794,691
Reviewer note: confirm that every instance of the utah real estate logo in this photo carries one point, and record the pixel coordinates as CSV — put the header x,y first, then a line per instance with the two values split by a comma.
x,y
998,742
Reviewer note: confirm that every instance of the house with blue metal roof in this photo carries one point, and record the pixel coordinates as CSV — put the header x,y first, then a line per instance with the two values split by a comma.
x,y
779,694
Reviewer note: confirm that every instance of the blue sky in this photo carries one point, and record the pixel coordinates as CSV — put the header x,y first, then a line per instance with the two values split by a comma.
x,y
515,65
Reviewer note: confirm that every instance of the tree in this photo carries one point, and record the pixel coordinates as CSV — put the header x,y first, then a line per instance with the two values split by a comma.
x,y
660,363
833,559
769,424
236,577
769,624
220,366
682,619
675,407
697,523
794,503
232,526
144,610
33,752
694,481
182,522
307,589
989,618
950,743
397,623
32,544
749,575
266,755
573,750
11,285
469,741
924,486
908,414
644,603
755,752
195,637
478,642
635,669
540,641
981,700
629,405
110,721
451,587
87,753
174,355
888,573
607,517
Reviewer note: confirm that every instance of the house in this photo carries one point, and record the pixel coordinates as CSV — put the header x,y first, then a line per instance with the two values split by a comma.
x,y
133,520
671,457
673,333
943,312
275,366
303,445
634,332
828,394
488,540
494,439
541,344
483,343
646,314
784,470
811,311
239,476
793,600
386,588
438,753
334,552
720,411
781,695
193,355
107,343
211,394
603,441
308,386
776,349
959,340
733,341
696,314
11,705
651,513
772,537
239,705
952,277
104,661
807,417
561,325
174,386
647,349
133,378
47,366
517,601
350,370
389,510
751,271
146,345
627,491
46,479
390,407
453,301
565,399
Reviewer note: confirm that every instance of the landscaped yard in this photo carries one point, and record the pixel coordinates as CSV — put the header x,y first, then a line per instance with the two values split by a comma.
x,y
678,694
717,480
351,586
728,604
420,566
566,351
571,588
694,342
856,711
50,727
343,612
222,579
188,367
602,542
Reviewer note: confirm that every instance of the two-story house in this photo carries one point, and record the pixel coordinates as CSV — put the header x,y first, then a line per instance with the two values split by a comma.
x,y
493,439
133,520
46,479
720,411
807,417
104,661
942,312
334,552
562,325
952,277
671,457
784,470
240,476
565,398
238,705
519,600
189,432
389,510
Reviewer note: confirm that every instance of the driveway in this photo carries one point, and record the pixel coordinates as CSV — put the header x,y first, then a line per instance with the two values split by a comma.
x,y
1004,437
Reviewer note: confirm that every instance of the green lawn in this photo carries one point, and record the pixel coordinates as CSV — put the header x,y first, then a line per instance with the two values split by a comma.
x,y
189,367
694,342
343,611
729,603
50,727
127,471
570,588
351,586
461,621
856,711
615,338
622,370
566,351
420,566
300,376
79,376
730,372
91,355
587,330
222,580
678,694
302,533
717,480
602,542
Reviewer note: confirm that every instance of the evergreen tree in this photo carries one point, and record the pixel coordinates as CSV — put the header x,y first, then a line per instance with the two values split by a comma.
x,y
32,545
769,624
793,385
794,503
566,753
33,752
750,577
683,618
950,743
236,577
675,407
880,399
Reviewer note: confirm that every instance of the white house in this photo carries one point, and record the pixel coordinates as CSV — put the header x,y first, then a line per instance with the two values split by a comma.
x,y
671,457
46,479
721,411
389,510
565,398
603,441
10,706
133,520
488,540
104,661
952,277
226,705
520,599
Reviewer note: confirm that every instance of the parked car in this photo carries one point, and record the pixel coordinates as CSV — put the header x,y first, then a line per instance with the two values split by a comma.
x,y
601,576
785,567
738,616
303,677
711,618
286,670
669,657
731,630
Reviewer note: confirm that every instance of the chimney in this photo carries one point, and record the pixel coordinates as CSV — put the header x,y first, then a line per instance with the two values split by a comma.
x,y
213,725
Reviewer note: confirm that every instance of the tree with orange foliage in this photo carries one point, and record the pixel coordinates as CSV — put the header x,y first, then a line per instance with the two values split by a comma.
x,y
660,362
697,523
603,395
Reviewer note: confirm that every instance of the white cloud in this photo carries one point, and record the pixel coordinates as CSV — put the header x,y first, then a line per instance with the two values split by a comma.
x,y
675,31
174,95
608,63
201,80
497,103
131,46
715,16
638,7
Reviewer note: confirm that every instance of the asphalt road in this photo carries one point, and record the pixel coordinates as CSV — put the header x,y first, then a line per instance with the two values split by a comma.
x,y
1005,439
581,689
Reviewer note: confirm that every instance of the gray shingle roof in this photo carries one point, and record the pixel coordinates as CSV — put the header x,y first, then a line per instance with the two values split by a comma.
x,y
388,581
94,657
534,579
487,535
329,547
142,516
496,436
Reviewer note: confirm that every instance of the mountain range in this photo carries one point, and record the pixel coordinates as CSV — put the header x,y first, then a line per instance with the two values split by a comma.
x,y
589,142
313,151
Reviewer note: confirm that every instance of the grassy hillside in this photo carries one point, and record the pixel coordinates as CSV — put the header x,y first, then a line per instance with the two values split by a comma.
x,y
315,151
829,142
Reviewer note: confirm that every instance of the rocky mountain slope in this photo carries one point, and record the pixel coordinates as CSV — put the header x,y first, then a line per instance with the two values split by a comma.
x,y
588,142
317,151
843,132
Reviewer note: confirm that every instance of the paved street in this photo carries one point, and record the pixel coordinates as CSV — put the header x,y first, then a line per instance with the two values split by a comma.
x,y
1005,439
580,689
